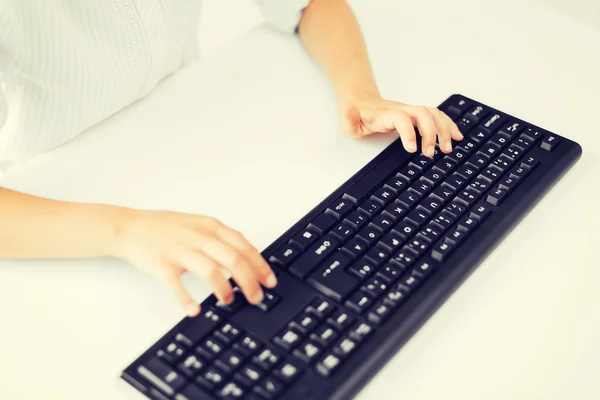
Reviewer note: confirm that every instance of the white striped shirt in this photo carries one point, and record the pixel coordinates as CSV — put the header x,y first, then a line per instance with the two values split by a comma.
x,y
66,65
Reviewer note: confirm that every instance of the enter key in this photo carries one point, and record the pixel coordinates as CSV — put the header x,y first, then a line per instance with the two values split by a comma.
x,y
332,279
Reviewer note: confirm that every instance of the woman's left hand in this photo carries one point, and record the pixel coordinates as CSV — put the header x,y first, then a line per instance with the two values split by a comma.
x,y
374,114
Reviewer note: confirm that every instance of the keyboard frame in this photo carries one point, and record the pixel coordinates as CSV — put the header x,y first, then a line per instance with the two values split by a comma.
x,y
404,322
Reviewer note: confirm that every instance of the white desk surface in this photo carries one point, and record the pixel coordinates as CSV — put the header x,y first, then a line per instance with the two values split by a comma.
x,y
250,136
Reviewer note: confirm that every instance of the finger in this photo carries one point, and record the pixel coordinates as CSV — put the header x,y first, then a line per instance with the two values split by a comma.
x,y
424,121
443,129
236,240
404,126
454,131
206,268
351,121
173,281
234,261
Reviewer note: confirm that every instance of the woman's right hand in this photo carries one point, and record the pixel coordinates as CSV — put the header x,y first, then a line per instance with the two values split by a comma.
x,y
168,244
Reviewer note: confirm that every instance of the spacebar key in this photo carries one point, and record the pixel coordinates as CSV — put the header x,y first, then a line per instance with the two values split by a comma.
x,y
314,256
361,189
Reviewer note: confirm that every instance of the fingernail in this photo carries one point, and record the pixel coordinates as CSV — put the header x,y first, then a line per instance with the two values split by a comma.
x,y
228,299
448,146
271,281
192,309
430,151
258,297
411,147
460,135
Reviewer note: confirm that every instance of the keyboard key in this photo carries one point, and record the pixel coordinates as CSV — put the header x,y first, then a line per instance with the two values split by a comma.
x,y
455,209
396,183
247,345
468,196
377,255
423,269
480,185
228,333
465,125
316,254
441,251
550,142
500,140
331,278
192,392
454,237
304,238
519,173
362,269
479,135
340,320
359,302
383,196
446,165
328,365
285,255
457,156
322,223
172,352
421,187
249,375
267,359
496,197
417,218
404,229
162,376
403,259
467,224
361,189
508,184
458,107
270,388
308,351
444,192
502,162
355,247
490,149
210,378
409,174
529,162
231,390
492,123
533,134
408,199
478,161
369,235
340,208
422,161
395,297
418,246
305,323
287,372
512,129
467,146
269,301
229,361
382,222
433,176
432,204
321,308
514,152
325,335
491,174
477,113
430,233
375,286
379,313
191,365
361,331
370,207
481,212
356,219
394,211
409,283
288,338
455,181
342,232
345,347
443,221
467,171
210,348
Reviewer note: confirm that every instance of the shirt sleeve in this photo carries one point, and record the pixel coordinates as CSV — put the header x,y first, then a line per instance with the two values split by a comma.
x,y
284,15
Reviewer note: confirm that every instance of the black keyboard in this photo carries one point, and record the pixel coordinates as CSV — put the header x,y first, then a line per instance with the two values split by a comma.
x,y
364,269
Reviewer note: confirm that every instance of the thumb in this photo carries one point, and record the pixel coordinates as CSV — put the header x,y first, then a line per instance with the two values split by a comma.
x,y
351,121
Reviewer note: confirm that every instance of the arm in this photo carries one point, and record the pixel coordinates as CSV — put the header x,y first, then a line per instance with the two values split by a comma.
x,y
332,36
165,244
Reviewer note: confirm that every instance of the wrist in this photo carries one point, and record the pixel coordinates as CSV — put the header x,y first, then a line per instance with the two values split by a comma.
x,y
114,221
356,95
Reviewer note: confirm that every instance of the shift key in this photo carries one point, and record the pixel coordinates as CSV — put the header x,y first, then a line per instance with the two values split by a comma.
x,y
331,278
314,256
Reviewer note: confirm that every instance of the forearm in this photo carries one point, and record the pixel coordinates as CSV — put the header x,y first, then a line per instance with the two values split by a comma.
x,y
34,227
331,34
